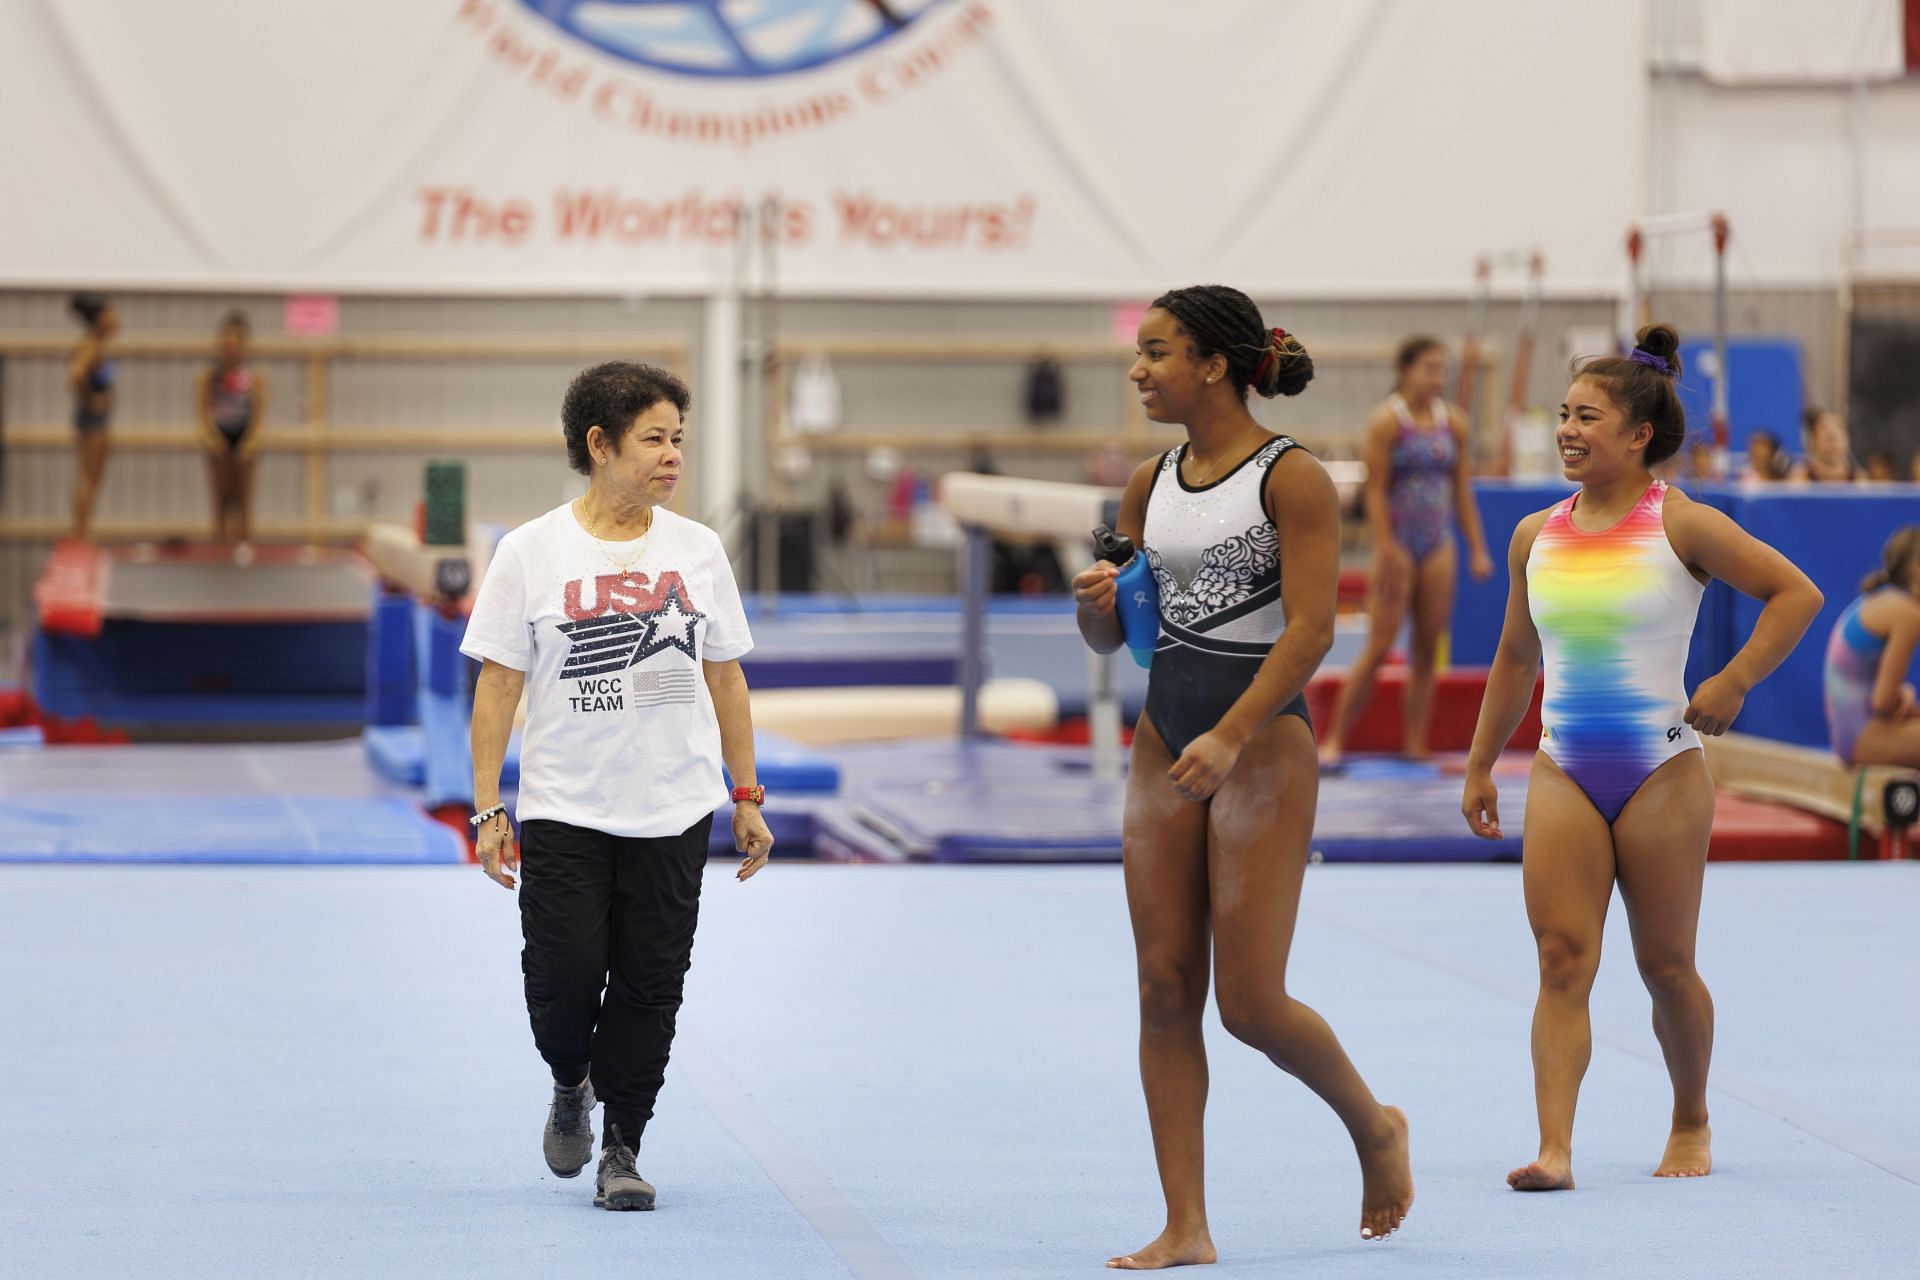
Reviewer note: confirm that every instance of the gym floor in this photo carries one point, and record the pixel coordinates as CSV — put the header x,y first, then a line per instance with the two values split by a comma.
x,y
916,1072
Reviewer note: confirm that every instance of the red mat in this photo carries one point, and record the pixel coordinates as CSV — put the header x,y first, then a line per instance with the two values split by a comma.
x,y
1755,831
1456,709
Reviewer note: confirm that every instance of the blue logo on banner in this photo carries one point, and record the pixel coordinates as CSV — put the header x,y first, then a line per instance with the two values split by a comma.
x,y
731,38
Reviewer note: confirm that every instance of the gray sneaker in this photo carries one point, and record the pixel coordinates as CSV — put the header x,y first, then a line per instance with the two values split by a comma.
x,y
619,1186
568,1141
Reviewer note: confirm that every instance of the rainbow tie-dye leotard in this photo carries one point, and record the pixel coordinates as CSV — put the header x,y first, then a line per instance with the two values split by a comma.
x,y
1615,614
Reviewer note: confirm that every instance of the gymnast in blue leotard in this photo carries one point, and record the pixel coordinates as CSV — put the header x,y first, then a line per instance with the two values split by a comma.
x,y
1417,491
1605,586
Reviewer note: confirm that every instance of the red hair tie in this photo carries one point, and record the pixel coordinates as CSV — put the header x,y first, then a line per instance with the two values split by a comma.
x,y
1274,349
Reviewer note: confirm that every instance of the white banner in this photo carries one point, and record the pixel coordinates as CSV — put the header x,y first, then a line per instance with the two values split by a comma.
x,y
944,147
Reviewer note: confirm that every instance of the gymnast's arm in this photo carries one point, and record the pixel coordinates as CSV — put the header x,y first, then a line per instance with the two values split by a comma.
x,y
1510,681
1707,541
1094,594
1305,511
1891,697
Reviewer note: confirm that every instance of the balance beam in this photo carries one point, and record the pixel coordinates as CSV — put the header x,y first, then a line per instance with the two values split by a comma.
x,y
1875,799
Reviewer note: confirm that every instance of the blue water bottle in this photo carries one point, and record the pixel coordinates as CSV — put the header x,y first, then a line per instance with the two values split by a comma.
x,y
1138,604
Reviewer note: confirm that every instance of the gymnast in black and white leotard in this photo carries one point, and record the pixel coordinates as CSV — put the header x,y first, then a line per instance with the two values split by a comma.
x,y
1241,529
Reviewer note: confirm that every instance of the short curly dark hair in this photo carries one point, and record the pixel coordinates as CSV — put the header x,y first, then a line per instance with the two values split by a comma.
x,y
610,396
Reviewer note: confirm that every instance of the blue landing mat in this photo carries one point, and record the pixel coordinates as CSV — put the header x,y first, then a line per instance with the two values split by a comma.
x,y
78,827
398,754
947,801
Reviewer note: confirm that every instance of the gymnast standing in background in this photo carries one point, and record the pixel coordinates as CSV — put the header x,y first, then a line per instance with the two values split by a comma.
x,y
90,379
1418,488
1242,531
232,398
1606,586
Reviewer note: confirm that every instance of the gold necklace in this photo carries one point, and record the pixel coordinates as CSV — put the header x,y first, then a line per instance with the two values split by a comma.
x,y
1231,450
607,551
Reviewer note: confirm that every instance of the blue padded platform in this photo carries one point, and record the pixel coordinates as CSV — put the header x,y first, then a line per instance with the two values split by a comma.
x,y
793,819
398,754
780,670
144,672
945,801
159,828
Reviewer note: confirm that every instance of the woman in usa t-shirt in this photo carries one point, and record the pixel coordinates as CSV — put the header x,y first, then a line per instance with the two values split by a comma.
x,y
621,623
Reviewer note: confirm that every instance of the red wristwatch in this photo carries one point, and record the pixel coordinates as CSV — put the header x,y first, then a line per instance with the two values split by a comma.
x,y
750,795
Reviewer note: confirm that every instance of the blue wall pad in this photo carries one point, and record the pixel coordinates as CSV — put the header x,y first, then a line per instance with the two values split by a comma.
x,y
1764,390
1835,538
1833,534
134,670
77,827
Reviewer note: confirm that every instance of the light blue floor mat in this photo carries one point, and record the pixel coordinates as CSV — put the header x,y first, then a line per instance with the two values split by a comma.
x,y
916,1072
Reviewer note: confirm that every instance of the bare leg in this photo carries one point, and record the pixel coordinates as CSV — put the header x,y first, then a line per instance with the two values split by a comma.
x,y
1661,838
1385,612
1567,870
1166,873
1884,742
1433,580
92,471
243,468
217,489
1259,830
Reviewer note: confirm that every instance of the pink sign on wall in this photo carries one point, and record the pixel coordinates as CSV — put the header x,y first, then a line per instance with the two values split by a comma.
x,y
1125,320
312,314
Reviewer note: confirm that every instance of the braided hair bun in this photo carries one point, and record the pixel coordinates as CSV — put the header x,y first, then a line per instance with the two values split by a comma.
x,y
1219,320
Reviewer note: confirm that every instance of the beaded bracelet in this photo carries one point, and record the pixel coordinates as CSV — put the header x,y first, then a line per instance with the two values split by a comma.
x,y
487,815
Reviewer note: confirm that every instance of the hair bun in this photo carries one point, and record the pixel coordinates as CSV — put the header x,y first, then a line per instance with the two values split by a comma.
x,y
1285,368
1661,340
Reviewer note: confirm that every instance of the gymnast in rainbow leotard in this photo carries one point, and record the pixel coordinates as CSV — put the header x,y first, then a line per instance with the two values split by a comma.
x,y
1614,610
1605,586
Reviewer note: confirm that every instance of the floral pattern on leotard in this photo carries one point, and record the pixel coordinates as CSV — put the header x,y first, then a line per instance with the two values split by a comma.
x,y
1230,573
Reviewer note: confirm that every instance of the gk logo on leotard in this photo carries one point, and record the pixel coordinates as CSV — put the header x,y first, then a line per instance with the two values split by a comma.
x,y
1140,599
1673,734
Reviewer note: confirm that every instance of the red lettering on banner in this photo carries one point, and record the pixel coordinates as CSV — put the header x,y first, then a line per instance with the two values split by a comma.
x,y
455,215
884,225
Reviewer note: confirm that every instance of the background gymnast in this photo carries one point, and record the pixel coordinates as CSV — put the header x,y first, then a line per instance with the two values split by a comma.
x,y
1418,489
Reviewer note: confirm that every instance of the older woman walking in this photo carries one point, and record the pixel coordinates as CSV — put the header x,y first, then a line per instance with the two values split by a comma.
x,y
621,622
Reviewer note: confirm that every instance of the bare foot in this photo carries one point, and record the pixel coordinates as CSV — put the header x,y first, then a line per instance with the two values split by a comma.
x,y
1172,1249
1386,1181
1689,1154
1553,1171
1331,756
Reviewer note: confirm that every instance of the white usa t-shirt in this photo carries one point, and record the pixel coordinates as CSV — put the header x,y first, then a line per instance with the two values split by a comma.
x,y
621,735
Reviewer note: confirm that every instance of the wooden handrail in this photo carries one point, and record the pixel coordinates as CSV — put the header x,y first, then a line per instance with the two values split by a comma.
x,y
370,346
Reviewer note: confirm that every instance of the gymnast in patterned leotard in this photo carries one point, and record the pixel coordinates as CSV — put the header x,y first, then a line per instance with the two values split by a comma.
x,y
1417,489
1242,529
1605,586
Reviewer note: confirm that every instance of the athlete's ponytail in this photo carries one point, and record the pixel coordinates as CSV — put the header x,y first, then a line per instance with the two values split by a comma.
x,y
1896,561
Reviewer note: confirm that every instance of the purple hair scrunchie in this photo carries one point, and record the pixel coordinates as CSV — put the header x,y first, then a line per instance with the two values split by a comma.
x,y
1640,355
